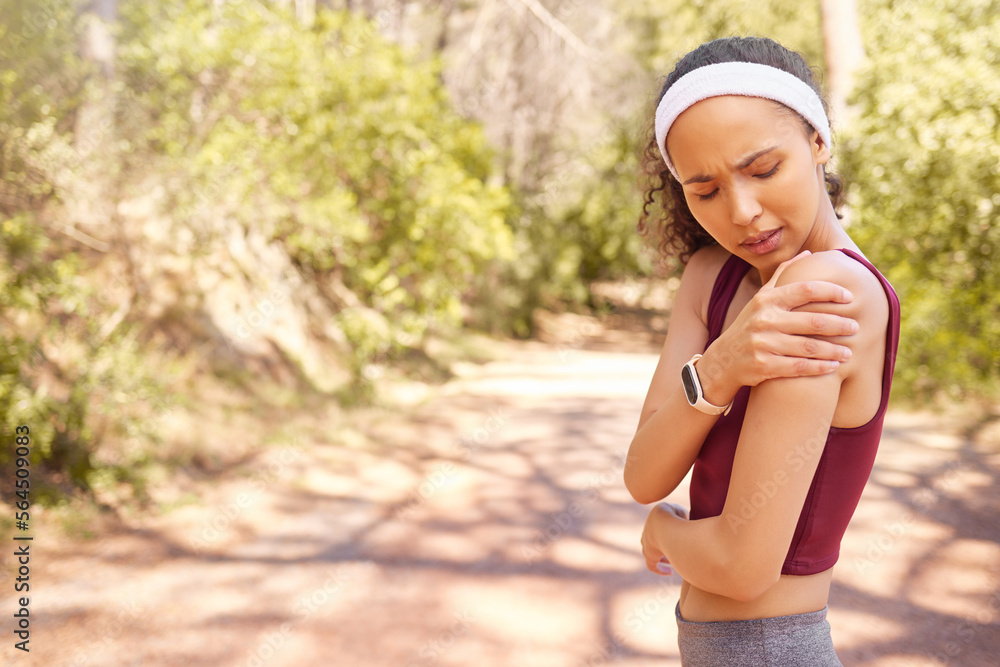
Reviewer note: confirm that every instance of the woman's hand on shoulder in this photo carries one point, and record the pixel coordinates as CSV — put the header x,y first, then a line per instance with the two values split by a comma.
x,y
867,307
782,331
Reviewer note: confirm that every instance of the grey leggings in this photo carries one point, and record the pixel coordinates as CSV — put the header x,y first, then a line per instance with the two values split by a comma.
x,y
802,640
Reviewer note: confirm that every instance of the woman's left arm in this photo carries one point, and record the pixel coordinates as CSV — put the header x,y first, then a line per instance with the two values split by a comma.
x,y
739,553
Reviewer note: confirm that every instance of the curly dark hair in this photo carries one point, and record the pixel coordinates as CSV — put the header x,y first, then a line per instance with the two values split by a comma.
x,y
673,227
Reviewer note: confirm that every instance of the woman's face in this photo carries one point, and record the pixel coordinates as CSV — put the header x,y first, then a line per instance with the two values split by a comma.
x,y
752,177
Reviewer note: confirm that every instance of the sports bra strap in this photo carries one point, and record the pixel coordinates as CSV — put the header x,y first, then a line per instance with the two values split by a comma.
x,y
723,292
892,329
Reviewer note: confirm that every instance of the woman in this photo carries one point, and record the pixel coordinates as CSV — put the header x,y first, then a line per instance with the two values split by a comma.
x,y
775,374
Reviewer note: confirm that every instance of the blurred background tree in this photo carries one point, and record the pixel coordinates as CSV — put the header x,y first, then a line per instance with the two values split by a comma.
x,y
310,192
63,371
319,163
923,157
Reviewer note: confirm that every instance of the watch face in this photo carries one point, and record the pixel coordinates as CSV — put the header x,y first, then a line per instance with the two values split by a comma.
x,y
689,385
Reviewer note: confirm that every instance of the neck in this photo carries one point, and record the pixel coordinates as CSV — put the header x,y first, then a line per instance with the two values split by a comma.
x,y
826,234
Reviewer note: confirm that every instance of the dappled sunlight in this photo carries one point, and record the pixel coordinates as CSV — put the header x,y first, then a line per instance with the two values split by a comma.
x,y
872,557
497,529
919,562
545,372
584,554
385,480
332,325
456,545
623,535
527,610
955,576
497,465
643,618
858,629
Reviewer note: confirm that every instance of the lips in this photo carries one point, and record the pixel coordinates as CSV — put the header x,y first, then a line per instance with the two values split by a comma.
x,y
763,242
759,237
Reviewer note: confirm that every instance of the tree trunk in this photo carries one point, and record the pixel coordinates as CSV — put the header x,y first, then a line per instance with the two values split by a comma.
x,y
844,53
95,120
305,11
94,132
95,199
442,41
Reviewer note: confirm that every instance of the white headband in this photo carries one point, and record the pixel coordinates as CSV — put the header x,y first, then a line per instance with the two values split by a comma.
x,y
738,78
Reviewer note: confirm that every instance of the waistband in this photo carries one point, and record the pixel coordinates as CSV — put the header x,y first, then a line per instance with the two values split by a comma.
x,y
755,627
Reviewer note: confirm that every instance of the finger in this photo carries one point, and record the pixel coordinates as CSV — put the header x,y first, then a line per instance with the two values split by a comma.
x,y
653,563
803,323
681,511
790,367
805,347
781,267
651,554
811,348
794,295
677,510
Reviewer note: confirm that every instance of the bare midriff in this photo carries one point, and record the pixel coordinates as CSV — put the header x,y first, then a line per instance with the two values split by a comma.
x,y
790,595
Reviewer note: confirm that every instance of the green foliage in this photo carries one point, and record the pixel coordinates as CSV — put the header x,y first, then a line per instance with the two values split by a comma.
x,y
341,146
70,384
40,74
582,225
924,162
666,30
608,206
35,93
60,376
345,154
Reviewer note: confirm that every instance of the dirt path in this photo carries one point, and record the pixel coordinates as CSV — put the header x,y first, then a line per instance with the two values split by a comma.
x,y
493,529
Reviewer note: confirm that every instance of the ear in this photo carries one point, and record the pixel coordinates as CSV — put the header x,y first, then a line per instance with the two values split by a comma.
x,y
820,151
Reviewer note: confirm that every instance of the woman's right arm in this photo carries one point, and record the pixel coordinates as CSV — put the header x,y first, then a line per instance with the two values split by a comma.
x,y
670,431
767,340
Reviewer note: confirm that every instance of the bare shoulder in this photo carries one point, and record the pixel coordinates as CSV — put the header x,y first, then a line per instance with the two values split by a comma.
x,y
836,267
869,307
708,260
699,277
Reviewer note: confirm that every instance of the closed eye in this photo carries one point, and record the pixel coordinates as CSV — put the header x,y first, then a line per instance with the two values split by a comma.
x,y
769,174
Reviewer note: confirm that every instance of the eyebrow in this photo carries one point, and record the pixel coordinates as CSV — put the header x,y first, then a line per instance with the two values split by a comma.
x,y
746,162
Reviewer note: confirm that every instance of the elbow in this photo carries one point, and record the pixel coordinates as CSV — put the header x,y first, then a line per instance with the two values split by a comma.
x,y
747,567
748,580
639,494
647,485
639,488
645,498
751,588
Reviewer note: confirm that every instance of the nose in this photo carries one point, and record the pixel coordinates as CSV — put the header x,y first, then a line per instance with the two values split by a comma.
x,y
744,206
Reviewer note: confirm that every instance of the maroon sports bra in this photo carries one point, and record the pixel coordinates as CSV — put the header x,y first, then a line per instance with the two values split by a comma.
x,y
844,466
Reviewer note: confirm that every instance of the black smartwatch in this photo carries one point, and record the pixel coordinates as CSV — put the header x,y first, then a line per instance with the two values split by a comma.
x,y
693,391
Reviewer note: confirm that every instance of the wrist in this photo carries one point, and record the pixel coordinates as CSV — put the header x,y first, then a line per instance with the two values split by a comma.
x,y
658,525
666,525
716,385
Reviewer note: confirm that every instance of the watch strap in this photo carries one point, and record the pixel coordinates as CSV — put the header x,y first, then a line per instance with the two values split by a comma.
x,y
689,376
